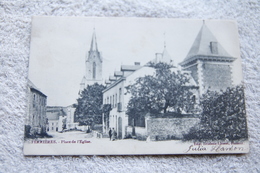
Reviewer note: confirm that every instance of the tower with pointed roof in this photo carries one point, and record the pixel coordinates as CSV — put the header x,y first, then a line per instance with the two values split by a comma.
x,y
209,63
163,57
93,63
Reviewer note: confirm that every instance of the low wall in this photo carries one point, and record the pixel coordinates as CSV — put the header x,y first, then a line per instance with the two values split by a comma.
x,y
82,128
129,130
71,125
139,132
98,128
169,128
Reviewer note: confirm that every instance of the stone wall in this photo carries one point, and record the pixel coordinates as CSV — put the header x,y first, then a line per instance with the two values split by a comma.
x,y
194,72
158,129
169,128
37,112
217,76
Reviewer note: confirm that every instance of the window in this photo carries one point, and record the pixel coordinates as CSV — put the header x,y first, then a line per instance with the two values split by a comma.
x,y
94,70
34,100
113,101
116,101
120,93
214,47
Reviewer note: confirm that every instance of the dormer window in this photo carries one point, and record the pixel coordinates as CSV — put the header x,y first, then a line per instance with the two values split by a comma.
x,y
214,47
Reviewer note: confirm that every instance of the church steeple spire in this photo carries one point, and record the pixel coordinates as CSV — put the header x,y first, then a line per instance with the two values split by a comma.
x,y
93,63
93,46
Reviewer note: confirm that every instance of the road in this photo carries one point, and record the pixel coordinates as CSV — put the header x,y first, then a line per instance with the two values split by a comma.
x,y
70,135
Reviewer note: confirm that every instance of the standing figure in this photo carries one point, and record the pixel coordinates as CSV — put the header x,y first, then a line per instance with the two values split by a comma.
x,y
110,133
114,134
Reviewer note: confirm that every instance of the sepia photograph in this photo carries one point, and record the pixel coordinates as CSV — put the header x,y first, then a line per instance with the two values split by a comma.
x,y
134,86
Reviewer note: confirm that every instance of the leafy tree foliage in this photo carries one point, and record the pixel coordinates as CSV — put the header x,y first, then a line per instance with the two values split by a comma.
x,y
89,107
223,116
157,93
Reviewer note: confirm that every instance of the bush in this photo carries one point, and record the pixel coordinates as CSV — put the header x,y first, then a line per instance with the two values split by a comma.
x,y
223,116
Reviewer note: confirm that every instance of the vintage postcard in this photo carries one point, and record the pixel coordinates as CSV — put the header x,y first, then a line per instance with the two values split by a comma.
x,y
134,86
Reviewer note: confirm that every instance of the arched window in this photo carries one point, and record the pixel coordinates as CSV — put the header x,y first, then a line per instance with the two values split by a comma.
x,y
94,70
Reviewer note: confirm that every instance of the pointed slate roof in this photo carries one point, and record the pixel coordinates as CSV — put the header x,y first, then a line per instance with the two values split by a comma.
x,y
166,56
31,85
93,51
93,46
34,88
202,47
163,57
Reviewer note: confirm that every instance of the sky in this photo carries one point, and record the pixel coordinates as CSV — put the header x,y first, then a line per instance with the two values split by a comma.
x,y
59,46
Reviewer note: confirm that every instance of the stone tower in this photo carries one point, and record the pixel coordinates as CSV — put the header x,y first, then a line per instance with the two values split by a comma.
x,y
210,65
93,63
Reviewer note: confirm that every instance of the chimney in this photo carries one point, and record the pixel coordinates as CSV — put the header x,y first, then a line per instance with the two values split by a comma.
x,y
137,63
158,57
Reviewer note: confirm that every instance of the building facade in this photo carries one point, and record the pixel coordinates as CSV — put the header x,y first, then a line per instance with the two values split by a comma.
x,y
70,124
115,95
93,64
56,118
36,121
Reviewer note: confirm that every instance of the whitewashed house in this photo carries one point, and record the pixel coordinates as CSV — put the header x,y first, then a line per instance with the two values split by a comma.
x,y
56,118
115,94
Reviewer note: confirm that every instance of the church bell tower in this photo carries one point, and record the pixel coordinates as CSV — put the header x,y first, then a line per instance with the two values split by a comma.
x,y
93,64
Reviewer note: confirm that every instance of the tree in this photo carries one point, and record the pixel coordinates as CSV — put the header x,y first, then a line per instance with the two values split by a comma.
x,y
223,116
89,105
158,93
